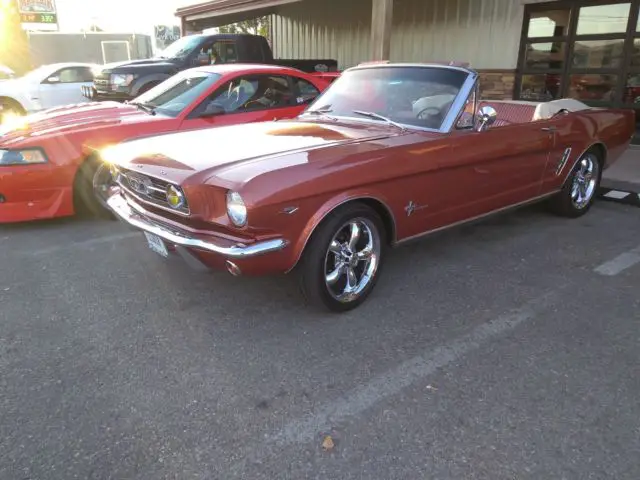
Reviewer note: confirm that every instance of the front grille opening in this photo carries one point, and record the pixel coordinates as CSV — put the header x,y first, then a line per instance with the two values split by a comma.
x,y
148,190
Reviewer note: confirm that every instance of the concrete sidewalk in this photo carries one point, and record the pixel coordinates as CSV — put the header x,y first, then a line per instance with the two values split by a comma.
x,y
624,175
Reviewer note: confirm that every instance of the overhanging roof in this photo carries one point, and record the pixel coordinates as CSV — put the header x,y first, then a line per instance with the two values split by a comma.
x,y
223,12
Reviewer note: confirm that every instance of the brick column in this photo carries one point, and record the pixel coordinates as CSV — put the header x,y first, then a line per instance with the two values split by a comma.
x,y
381,18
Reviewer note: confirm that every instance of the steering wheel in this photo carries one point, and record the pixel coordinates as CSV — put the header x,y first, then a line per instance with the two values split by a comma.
x,y
428,112
562,111
250,102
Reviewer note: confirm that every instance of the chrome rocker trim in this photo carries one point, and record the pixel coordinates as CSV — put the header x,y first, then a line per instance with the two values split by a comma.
x,y
124,211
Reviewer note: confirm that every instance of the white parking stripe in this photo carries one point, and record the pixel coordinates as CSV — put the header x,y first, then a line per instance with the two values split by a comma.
x,y
85,243
392,382
620,263
616,194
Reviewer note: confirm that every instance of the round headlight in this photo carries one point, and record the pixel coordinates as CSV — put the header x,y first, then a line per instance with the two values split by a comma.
x,y
175,197
236,209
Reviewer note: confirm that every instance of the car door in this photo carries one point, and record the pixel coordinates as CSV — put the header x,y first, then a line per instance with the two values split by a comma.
x,y
246,99
64,86
485,171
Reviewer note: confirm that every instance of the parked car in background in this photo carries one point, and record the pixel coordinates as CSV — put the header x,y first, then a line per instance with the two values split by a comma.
x,y
6,73
388,153
50,164
45,87
123,81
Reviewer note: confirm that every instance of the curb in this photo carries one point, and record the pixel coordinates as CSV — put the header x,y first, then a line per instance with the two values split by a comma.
x,y
619,196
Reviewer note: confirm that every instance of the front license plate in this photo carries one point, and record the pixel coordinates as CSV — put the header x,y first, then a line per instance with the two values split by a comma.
x,y
156,244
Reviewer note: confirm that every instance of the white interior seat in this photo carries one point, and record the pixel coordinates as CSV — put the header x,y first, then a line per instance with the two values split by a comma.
x,y
547,110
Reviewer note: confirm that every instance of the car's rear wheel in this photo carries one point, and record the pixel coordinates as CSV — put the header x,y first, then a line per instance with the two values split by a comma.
x,y
579,192
92,188
342,261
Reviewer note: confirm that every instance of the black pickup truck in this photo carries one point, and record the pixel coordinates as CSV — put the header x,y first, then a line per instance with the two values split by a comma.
x,y
123,81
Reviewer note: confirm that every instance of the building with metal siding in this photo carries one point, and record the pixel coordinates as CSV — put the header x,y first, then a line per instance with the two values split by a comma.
x,y
466,30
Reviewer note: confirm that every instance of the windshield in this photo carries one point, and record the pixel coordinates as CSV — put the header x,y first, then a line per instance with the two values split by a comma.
x,y
177,93
413,96
181,47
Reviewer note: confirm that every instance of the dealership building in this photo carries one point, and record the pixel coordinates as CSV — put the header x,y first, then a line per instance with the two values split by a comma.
x,y
523,49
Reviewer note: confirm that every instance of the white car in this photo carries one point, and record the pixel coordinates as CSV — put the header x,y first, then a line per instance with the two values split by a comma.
x,y
46,87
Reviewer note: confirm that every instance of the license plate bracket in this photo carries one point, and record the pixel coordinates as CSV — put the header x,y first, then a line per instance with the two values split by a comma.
x,y
156,244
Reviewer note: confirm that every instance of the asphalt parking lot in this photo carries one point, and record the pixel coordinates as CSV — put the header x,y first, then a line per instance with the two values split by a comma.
x,y
497,351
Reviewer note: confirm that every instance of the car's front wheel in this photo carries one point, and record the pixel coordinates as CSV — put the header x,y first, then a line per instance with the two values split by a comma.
x,y
342,261
579,192
92,188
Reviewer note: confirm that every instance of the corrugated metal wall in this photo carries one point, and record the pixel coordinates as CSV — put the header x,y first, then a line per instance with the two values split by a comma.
x,y
56,47
485,33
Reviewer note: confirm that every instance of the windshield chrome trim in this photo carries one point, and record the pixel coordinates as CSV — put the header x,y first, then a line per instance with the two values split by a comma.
x,y
458,104
360,119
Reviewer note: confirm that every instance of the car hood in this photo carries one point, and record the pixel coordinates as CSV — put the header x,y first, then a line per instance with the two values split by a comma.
x,y
73,119
127,65
201,153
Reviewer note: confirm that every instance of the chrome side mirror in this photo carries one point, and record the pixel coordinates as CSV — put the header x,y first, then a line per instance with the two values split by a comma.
x,y
486,117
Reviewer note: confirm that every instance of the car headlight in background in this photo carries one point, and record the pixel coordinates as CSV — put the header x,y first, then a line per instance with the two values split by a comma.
x,y
236,209
121,80
29,156
175,197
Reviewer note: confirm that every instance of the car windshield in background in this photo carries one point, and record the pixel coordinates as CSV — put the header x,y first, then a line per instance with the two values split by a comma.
x,y
413,96
181,48
174,95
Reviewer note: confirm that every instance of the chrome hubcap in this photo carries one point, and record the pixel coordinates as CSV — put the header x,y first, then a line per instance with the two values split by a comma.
x,y
103,183
584,181
352,259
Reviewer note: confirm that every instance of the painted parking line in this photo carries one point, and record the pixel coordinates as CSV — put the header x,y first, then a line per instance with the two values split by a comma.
x,y
84,243
620,263
620,196
392,382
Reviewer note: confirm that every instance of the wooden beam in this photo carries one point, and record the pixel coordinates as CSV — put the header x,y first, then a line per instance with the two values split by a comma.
x,y
381,19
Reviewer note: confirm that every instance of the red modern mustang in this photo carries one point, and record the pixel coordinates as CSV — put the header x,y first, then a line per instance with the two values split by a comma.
x,y
49,162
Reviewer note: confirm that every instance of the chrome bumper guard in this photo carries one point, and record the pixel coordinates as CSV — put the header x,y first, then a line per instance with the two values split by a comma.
x,y
118,204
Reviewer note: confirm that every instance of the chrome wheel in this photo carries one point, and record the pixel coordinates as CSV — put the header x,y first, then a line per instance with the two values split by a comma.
x,y
352,259
103,184
585,181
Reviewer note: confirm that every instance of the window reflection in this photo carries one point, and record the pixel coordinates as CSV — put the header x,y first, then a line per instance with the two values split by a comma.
x,y
598,53
542,88
549,23
592,87
601,19
545,55
632,89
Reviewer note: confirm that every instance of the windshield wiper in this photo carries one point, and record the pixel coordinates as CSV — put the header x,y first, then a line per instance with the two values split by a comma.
x,y
145,107
380,117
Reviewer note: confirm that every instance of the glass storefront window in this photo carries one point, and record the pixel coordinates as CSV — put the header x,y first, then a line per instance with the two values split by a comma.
x,y
634,54
540,88
545,55
598,53
602,19
549,23
631,94
592,87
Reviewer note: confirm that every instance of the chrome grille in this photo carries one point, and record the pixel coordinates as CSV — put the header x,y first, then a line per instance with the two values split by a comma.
x,y
148,190
101,84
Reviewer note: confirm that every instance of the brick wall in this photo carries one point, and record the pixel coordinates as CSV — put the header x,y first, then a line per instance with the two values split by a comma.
x,y
497,84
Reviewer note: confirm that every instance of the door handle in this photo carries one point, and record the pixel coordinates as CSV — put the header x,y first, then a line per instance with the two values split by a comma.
x,y
549,129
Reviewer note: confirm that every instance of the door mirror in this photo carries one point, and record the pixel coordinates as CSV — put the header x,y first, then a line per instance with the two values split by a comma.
x,y
212,110
53,79
486,117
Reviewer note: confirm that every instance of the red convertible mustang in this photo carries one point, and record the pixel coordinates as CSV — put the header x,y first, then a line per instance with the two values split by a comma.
x,y
388,153
49,162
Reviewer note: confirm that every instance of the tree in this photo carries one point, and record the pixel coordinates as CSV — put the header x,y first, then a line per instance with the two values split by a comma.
x,y
255,26
14,43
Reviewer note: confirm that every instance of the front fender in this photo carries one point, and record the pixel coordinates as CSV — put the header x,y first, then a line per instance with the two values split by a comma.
x,y
142,81
329,205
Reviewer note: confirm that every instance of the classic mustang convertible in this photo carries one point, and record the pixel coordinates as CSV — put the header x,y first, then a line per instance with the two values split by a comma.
x,y
388,153
49,166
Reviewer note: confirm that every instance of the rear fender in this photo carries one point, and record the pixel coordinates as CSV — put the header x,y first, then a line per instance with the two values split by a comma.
x,y
329,206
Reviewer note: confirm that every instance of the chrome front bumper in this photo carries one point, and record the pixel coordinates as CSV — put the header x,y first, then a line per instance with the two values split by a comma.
x,y
126,213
